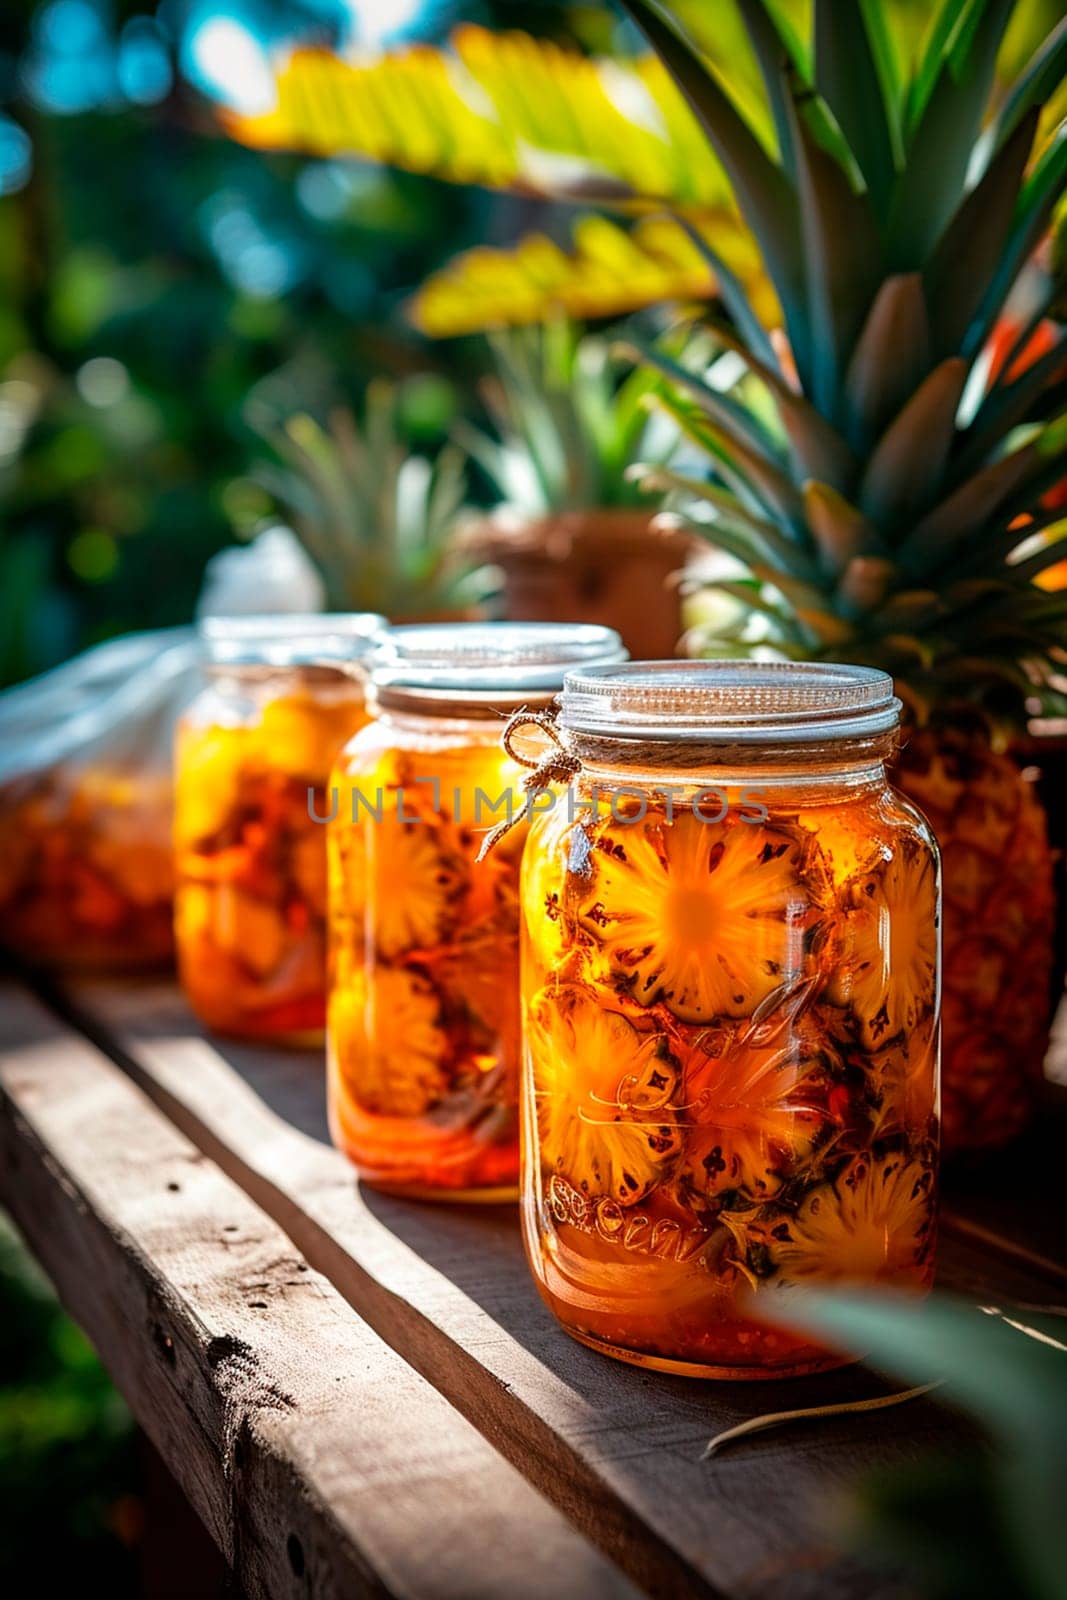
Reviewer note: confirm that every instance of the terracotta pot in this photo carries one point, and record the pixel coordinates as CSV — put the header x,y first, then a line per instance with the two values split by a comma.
x,y
612,566
403,619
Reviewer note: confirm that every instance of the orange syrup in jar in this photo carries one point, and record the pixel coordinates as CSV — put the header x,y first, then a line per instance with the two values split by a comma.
x,y
86,873
730,957
424,1016
253,759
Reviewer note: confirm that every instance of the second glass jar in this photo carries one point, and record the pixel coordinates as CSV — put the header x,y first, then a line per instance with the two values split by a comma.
x,y
423,1030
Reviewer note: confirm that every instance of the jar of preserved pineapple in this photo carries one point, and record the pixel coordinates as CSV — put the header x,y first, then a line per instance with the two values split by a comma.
x,y
253,758
86,873
423,1037
730,993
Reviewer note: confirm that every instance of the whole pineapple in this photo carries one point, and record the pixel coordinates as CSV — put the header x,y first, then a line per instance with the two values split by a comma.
x,y
883,498
379,522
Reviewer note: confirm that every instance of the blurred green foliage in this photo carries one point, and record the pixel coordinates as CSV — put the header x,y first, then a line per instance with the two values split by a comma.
x,y
68,1468
151,273
979,1525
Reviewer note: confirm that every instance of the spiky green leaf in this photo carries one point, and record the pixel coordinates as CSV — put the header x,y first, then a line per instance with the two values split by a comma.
x,y
1006,406
969,251
1035,85
764,489
890,359
865,583
908,462
847,77
841,531
1041,194
733,296
762,189
942,139
764,539
944,530
772,53
738,423
818,448
842,258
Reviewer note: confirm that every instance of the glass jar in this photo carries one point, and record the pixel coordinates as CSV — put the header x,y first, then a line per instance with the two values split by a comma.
x,y
731,991
423,1038
253,758
86,872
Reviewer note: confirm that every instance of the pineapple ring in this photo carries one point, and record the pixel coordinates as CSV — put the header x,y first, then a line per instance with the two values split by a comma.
x,y
886,966
301,734
209,769
385,1034
709,918
873,1223
903,1079
249,930
308,866
406,875
757,1104
603,1094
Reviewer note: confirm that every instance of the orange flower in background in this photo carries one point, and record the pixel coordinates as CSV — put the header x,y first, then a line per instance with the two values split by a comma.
x,y
1041,341
1006,336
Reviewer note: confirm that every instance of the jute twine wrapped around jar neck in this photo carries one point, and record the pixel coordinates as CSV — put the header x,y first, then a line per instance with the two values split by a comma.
x,y
566,753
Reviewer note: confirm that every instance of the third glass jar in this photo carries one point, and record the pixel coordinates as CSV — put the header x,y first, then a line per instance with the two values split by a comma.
x,y
253,756
730,948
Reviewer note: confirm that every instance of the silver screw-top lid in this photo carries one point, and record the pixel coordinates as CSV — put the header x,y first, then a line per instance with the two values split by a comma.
x,y
290,639
509,658
730,702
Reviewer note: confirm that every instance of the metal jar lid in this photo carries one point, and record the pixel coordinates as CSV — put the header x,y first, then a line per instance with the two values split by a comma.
x,y
730,702
482,661
290,639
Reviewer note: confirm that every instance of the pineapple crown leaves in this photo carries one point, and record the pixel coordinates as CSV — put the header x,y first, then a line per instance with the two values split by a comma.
x,y
377,520
893,226
566,428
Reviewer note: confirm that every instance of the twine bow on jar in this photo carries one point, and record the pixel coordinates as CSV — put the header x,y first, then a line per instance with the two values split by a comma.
x,y
556,764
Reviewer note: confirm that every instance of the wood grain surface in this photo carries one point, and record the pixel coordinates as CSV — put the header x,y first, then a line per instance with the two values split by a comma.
x,y
618,1449
319,1461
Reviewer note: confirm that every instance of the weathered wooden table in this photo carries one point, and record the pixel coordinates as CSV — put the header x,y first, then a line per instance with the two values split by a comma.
x,y
365,1396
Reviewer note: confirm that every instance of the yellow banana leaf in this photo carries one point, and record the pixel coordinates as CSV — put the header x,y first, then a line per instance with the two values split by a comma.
x,y
501,109
511,111
610,270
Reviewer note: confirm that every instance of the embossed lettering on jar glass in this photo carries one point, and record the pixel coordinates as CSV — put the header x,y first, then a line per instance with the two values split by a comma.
x,y
730,956
423,1037
253,757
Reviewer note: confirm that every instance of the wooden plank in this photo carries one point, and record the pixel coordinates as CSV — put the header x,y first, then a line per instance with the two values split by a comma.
x,y
319,1461
618,1448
